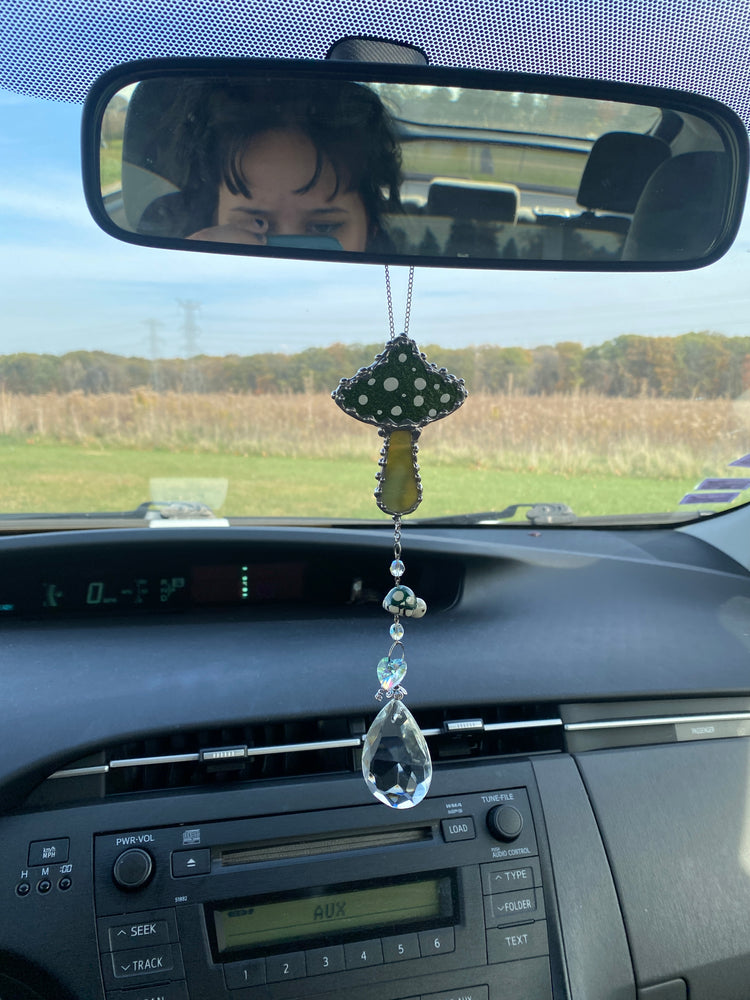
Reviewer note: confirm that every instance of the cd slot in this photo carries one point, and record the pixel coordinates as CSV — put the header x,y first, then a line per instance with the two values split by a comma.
x,y
251,854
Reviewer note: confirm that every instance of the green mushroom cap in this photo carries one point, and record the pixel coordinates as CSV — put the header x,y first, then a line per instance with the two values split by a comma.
x,y
401,389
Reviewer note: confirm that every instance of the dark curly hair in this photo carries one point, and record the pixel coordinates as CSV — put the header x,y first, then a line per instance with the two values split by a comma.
x,y
207,124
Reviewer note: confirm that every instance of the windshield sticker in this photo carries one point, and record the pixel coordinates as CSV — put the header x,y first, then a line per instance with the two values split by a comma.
x,y
744,461
723,484
710,497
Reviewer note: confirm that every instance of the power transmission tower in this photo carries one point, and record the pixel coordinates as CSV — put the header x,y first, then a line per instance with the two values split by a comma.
x,y
154,351
189,326
190,334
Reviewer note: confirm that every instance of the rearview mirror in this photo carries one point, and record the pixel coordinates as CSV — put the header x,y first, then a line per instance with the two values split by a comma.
x,y
411,165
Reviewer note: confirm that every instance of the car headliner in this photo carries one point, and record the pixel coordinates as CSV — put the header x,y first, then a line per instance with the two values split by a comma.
x,y
55,49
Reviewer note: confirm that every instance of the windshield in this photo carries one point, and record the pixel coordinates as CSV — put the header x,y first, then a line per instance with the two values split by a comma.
x,y
130,374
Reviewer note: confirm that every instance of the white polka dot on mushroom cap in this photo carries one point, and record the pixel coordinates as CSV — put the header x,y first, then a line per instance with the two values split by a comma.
x,y
402,358
445,397
432,413
396,411
419,383
418,400
390,384
363,400
371,381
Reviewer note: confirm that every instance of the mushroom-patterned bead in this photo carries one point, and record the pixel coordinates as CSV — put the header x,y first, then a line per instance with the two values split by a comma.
x,y
418,611
400,601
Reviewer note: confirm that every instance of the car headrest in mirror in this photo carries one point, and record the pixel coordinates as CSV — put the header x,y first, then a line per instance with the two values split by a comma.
x,y
411,165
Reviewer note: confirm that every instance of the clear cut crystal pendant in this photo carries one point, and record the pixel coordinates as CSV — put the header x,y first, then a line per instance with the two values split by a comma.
x,y
396,762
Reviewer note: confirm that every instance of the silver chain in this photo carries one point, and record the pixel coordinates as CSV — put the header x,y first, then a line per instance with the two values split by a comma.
x,y
407,314
397,536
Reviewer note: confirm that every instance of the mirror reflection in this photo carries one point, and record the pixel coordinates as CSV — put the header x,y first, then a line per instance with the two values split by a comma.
x,y
407,169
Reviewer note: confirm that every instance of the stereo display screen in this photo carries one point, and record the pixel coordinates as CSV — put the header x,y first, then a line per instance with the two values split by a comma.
x,y
333,913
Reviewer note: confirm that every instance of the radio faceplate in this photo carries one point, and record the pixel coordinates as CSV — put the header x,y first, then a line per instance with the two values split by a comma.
x,y
449,903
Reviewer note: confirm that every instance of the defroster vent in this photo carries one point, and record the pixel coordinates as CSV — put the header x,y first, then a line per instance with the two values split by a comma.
x,y
291,750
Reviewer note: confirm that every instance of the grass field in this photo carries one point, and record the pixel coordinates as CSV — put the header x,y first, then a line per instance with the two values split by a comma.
x,y
299,455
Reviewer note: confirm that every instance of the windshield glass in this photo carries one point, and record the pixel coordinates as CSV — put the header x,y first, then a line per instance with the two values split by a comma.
x,y
132,374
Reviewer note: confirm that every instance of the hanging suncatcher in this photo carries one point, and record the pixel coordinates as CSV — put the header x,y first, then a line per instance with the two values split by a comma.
x,y
399,393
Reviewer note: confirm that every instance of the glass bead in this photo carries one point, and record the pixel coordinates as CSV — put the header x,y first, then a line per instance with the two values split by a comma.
x,y
391,672
400,600
418,611
397,568
397,631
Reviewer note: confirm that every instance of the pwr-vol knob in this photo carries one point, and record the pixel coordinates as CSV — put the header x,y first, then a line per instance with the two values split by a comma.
x,y
504,822
133,869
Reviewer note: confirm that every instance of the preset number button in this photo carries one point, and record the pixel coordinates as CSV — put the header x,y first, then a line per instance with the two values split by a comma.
x,y
437,942
281,967
399,949
363,953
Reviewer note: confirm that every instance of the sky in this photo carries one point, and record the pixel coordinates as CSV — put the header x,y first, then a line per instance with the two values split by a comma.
x,y
66,285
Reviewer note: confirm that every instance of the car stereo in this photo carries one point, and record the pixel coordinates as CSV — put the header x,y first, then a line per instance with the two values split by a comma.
x,y
448,904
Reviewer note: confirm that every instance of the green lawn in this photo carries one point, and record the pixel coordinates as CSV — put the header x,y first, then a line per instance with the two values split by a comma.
x,y
48,477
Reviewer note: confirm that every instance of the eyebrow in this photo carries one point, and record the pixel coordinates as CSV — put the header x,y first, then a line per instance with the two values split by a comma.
x,y
249,210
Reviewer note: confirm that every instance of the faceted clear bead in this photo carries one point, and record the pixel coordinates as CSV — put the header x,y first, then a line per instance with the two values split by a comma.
x,y
397,631
397,568
396,762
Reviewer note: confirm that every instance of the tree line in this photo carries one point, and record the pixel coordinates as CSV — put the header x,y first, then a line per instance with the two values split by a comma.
x,y
706,365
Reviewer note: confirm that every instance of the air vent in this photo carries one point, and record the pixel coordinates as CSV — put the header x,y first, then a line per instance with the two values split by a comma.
x,y
276,752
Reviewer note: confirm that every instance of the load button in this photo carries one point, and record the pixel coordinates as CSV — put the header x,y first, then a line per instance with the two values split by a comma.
x,y
460,828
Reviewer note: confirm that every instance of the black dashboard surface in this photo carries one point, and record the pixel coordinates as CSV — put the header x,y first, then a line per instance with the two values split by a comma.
x,y
567,624
555,616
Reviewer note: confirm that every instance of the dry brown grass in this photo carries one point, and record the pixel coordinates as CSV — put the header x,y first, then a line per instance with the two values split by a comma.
x,y
570,435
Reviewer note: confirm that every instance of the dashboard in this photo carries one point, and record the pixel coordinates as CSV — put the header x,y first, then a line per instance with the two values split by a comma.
x,y
182,813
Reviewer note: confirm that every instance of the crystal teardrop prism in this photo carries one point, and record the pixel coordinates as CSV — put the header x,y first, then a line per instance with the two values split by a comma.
x,y
396,762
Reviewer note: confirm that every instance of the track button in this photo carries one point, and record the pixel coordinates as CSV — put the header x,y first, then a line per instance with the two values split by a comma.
x,y
143,962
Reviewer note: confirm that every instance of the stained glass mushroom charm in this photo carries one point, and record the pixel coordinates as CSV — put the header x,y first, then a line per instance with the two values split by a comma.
x,y
399,393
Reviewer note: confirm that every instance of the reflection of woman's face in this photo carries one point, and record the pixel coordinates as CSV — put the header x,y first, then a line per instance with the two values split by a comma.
x,y
277,165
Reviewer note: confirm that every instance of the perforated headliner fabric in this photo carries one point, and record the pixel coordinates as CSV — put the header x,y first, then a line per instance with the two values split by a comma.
x,y
55,48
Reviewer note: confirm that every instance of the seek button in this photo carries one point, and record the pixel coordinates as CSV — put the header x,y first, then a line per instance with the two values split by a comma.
x,y
138,935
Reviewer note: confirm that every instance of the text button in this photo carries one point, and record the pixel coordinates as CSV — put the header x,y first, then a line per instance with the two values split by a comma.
x,y
507,944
